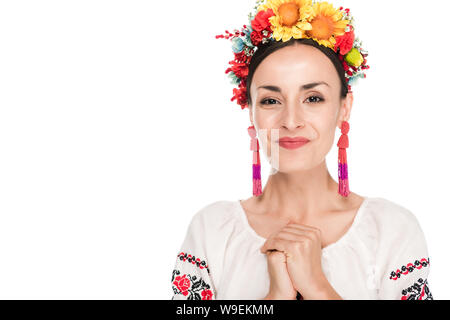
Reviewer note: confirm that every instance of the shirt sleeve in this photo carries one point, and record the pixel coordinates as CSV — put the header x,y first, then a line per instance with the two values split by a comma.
x,y
191,278
405,275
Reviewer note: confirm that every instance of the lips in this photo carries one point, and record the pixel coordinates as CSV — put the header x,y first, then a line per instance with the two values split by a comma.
x,y
293,139
292,142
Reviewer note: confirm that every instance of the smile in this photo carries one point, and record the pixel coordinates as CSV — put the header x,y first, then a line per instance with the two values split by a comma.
x,y
292,144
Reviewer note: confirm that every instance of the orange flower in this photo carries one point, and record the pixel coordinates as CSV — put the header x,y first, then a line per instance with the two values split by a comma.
x,y
327,23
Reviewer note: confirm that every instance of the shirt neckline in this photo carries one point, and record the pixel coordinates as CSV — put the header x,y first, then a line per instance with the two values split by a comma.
x,y
356,220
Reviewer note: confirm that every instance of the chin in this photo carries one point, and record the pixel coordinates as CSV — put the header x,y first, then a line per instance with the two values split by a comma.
x,y
292,167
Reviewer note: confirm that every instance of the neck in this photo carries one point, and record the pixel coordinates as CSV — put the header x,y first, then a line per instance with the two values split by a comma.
x,y
298,196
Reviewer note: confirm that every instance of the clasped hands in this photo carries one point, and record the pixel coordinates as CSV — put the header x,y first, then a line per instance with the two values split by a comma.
x,y
294,257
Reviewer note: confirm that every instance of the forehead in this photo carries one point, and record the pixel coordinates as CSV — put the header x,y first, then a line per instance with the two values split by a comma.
x,y
295,65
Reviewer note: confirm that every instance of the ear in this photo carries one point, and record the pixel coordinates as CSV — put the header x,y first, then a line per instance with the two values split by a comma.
x,y
250,113
345,109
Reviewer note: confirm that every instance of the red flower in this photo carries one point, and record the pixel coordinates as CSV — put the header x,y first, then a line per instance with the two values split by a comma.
x,y
345,42
261,20
345,65
206,294
240,95
242,57
256,37
183,284
239,69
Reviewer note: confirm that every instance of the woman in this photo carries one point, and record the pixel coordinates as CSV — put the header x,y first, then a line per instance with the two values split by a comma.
x,y
304,236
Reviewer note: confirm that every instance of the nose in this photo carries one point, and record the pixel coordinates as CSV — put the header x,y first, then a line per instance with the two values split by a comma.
x,y
292,117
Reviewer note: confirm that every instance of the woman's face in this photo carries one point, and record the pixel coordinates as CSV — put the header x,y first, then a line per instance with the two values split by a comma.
x,y
282,105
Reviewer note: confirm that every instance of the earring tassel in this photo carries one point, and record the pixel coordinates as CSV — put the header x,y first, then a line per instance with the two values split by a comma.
x,y
257,188
344,189
254,146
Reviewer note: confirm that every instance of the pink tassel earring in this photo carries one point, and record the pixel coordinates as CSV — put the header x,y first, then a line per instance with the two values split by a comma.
x,y
254,146
344,189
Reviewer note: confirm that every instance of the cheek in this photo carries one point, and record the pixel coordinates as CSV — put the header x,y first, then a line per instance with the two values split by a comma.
x,y
267,122
326,136
265,119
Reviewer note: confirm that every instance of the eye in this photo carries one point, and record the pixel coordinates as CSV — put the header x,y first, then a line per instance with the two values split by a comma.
x,y
316,98
268,101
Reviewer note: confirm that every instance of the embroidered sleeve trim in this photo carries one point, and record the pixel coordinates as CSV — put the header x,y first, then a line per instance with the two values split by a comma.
x,y
418,291
192,259
410,267
192,287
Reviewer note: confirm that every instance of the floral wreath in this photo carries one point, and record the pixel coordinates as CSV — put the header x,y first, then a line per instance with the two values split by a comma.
x,y
278,20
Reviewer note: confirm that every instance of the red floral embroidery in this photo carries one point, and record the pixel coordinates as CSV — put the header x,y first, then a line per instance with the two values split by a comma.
x,y
418,291
183,284
207,294
424,262
192,259
192,287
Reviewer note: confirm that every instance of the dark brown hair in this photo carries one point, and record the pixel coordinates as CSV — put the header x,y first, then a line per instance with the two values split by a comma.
x,y
265,50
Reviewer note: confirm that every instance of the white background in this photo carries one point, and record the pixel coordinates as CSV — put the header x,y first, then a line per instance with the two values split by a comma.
x,y
116,127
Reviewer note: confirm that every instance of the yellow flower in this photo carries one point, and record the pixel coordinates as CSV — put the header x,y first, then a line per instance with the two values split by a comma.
x,y
327,23
290,19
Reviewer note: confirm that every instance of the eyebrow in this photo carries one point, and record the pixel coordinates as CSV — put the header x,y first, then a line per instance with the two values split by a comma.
x,y
303,87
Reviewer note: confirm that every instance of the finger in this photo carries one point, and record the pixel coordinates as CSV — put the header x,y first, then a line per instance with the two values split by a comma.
x,y
277,244
313,235
276,256
304,228
293,235
295,230
303,233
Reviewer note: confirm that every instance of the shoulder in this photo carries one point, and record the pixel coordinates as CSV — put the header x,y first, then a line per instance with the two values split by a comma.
x,y
390,216
396,229
216,215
